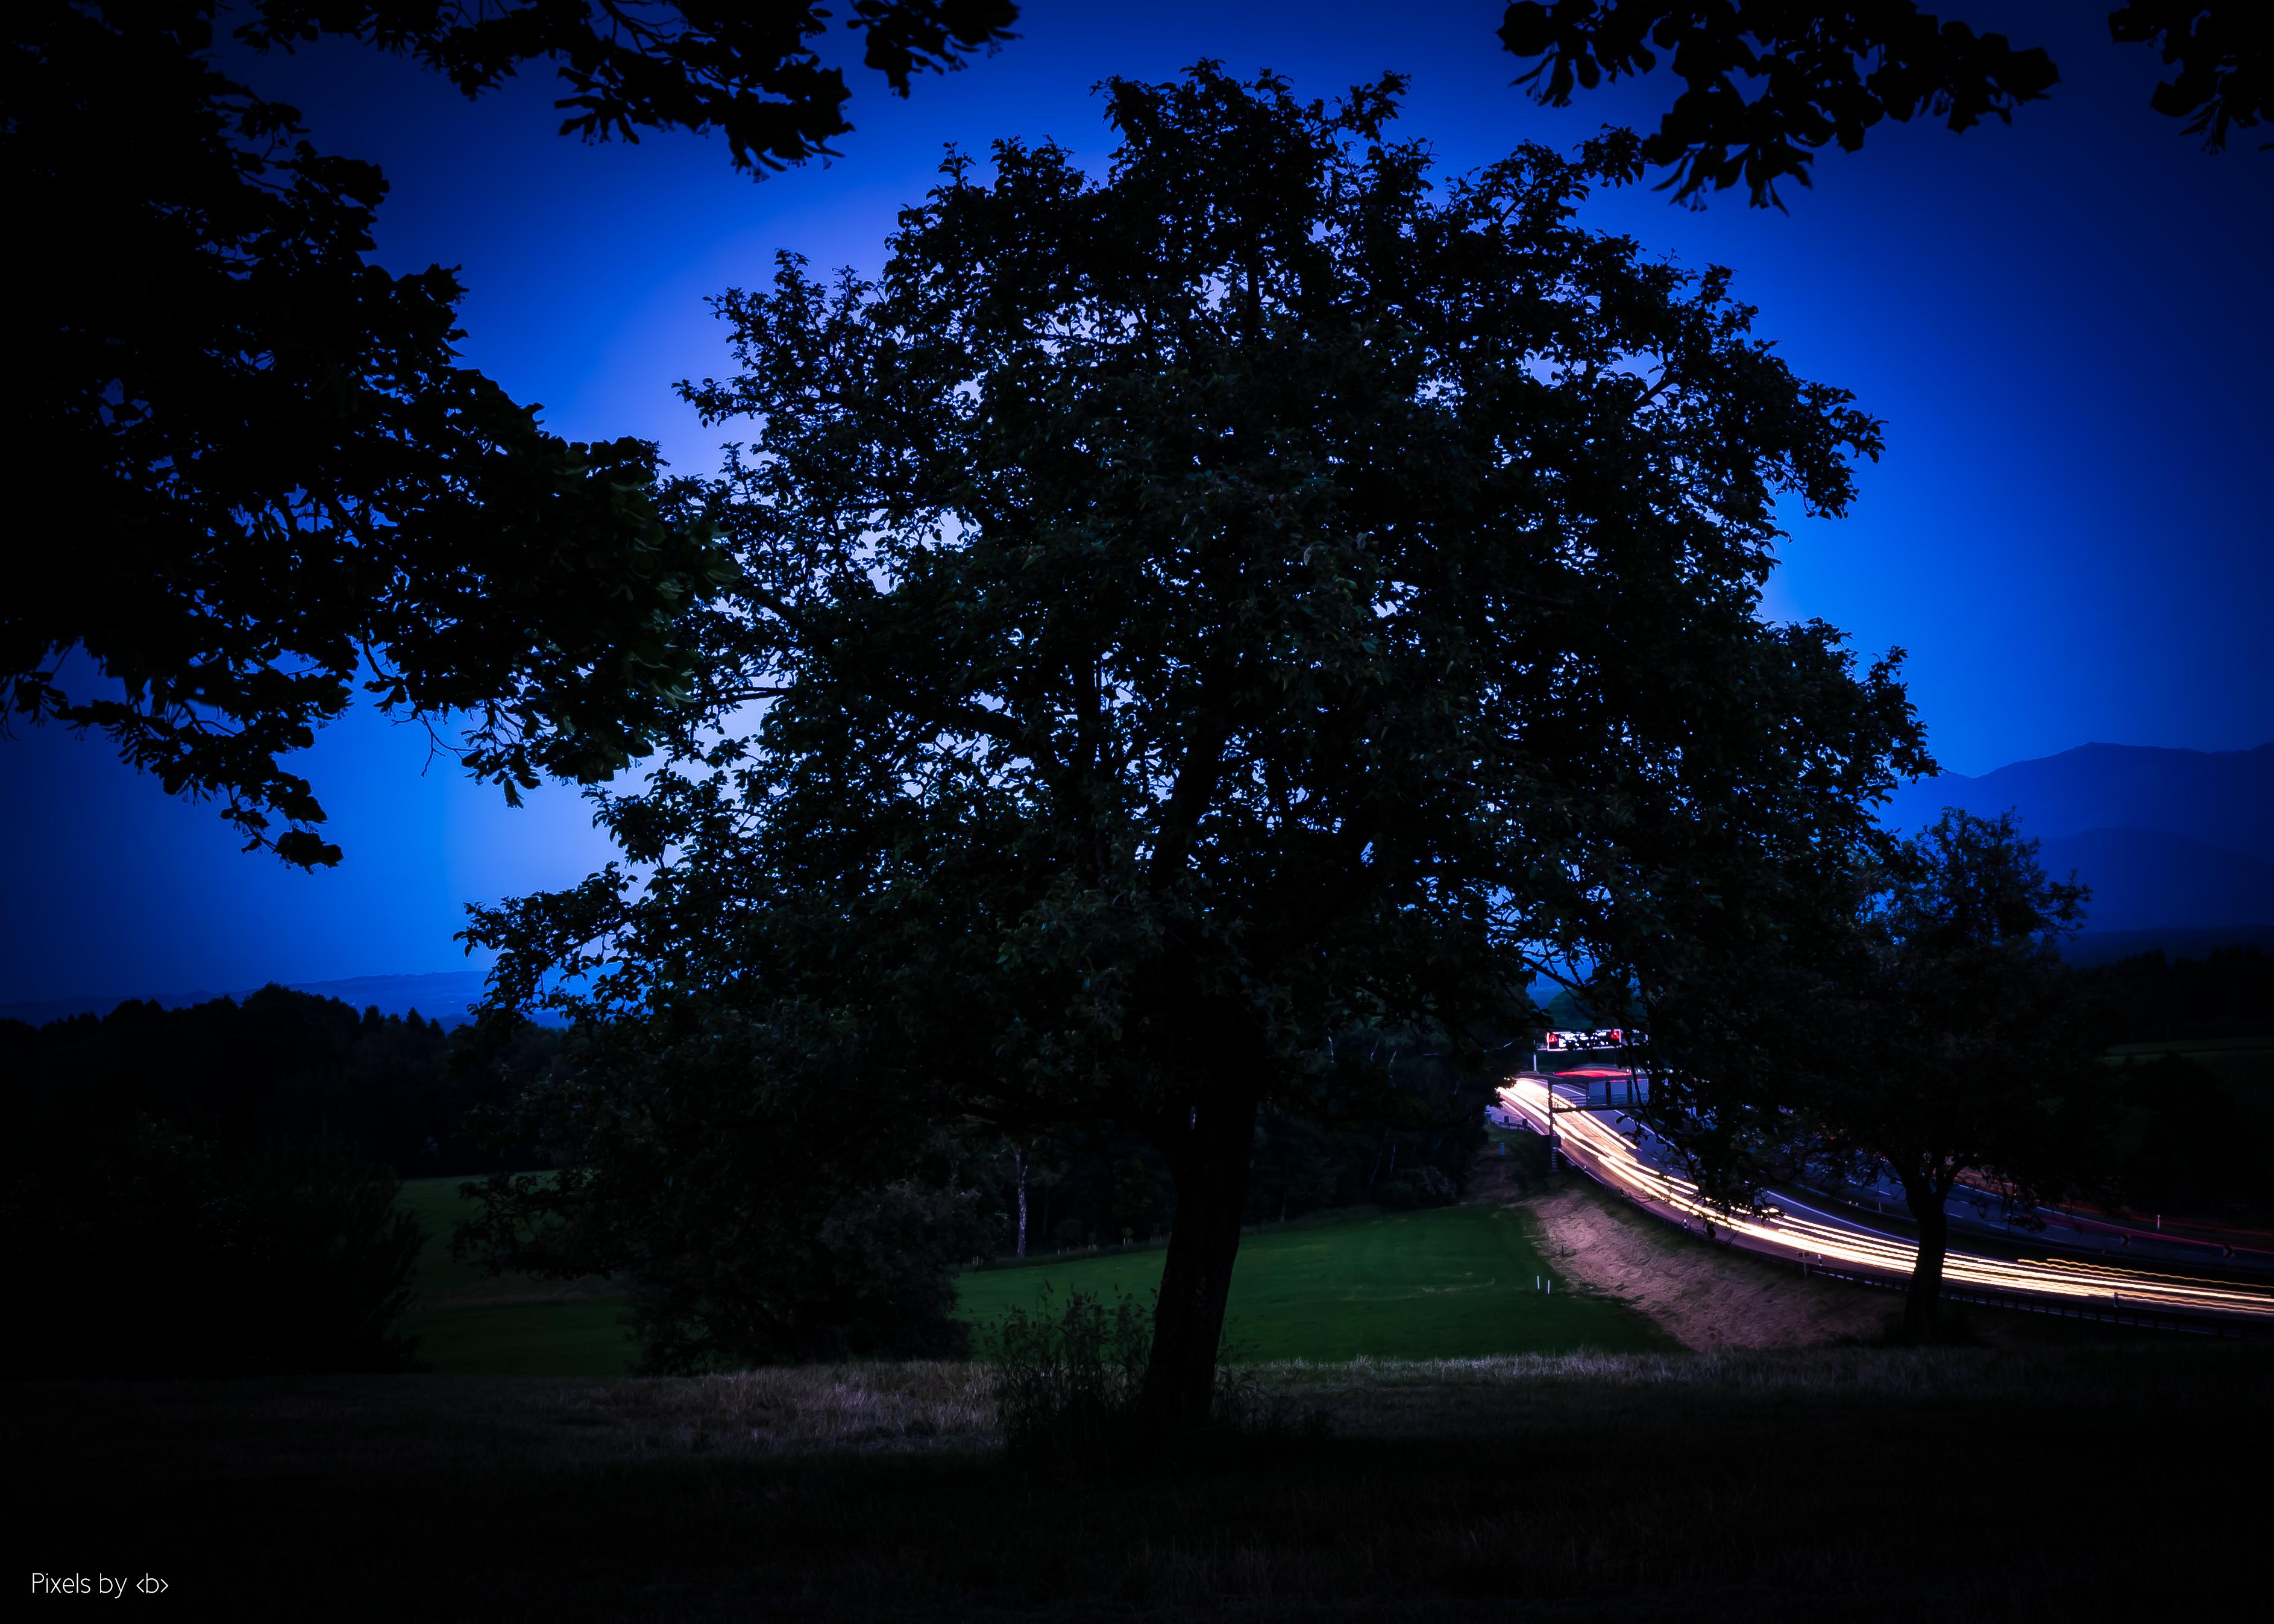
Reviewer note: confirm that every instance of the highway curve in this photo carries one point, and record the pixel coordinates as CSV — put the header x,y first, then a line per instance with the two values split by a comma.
x,y
2154,1281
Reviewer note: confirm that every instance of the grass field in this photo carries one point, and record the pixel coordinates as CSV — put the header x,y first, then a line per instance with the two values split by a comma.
x,y
511,1326
1451,1282
2245,1064
1454,1282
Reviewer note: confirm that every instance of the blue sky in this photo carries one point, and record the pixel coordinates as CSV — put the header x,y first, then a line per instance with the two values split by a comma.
x,y
2064,325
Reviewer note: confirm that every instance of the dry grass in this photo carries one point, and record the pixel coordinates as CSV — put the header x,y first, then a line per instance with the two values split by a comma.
x,y
552,1421
1855,1483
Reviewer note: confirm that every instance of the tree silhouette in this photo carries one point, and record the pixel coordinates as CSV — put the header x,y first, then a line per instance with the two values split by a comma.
x,y
749,71
1193,620
1828,73
249,473
1965,1049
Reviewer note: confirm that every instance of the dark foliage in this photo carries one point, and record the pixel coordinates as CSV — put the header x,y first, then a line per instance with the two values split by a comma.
x,y
1828,73
281,1066
1964,1049
1070,1381
749,71
2152,999
137,1250
2198,1131
2224,50
1104,1186
252,472
257,473
762,1205
1417,1187
1069,1390
1527,1156
2193,1143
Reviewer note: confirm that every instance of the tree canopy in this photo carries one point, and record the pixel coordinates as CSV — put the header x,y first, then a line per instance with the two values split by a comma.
x,y
1958,1048
250,473
749,71
1192,619
1828,73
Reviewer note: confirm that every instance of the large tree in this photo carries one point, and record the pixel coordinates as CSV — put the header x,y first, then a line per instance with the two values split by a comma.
x,y
1768,83
247,473
1191,619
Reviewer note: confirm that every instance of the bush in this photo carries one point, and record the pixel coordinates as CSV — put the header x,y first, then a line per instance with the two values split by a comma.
x,y
1068,1384
1527,1157
141,1250
760,1205
1070,1389
856,1274
1421,1186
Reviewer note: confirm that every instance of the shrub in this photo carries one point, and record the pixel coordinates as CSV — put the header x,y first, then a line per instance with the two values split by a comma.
x,y
1070,1385
1421,1186
1068,1382
141,1250
762,1207
853,1274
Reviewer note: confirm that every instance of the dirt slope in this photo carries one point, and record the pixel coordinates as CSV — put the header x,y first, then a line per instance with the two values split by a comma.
x,y
1703,1296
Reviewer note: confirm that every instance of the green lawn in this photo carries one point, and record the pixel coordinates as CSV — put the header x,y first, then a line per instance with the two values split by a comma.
x,y
2250,1059
1454,1282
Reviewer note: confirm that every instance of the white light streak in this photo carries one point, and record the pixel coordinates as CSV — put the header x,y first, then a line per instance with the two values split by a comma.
x,y
1614,1158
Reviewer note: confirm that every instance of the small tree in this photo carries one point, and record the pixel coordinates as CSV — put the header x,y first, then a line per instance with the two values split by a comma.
x,y
1192,616
1964,1048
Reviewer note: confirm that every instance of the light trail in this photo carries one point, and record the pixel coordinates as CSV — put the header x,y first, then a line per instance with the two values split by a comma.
x,y
1617,1161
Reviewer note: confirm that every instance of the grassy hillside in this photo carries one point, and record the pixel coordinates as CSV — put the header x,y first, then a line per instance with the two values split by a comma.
x,y
1454,1282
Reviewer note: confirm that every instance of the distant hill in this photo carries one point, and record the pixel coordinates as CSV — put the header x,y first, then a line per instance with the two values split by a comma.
x,y
2100,947
2142,879
445,996
2178,846
2217,798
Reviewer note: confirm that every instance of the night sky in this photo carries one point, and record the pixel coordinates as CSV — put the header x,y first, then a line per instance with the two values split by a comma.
x,y
2064,325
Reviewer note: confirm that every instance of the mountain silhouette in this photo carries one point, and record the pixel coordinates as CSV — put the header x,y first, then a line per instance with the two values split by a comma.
x,y
2143,879
2216,798
2169,840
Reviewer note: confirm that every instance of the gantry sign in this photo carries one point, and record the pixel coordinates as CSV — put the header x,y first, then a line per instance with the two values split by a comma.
x,y
1596,1060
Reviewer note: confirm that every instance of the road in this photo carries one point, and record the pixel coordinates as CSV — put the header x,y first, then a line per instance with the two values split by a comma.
x,y
2161,1275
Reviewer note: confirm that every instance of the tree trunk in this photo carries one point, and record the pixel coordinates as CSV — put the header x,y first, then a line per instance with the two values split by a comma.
x,y
1019,1161
1208,1156
1923,1304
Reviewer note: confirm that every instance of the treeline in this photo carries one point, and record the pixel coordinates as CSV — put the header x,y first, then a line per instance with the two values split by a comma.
x,y
2148,998
281,1067
2196,1130
1109,1189
212,1191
